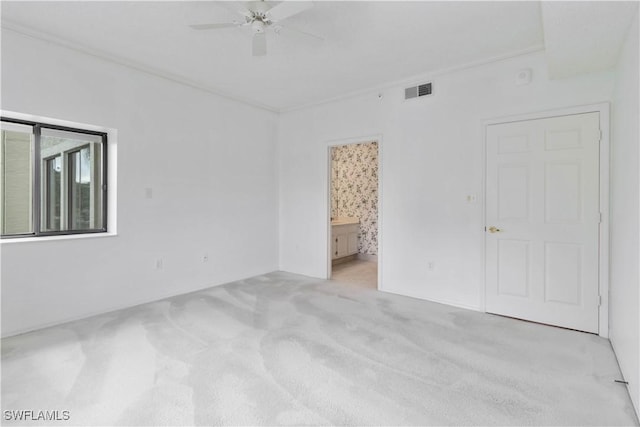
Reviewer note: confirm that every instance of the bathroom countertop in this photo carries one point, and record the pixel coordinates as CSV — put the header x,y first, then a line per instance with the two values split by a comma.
x,y
345,220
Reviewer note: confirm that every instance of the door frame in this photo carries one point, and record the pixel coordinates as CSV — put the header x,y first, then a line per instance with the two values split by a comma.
x,y
603,251
349,141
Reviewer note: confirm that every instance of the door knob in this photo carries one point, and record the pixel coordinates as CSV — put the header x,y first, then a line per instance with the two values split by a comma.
x,y
493,229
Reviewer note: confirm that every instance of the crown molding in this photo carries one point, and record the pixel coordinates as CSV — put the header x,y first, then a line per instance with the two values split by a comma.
x,y
419,78
78,47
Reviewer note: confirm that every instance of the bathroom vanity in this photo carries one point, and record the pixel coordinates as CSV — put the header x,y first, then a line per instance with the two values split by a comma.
x,y
344,237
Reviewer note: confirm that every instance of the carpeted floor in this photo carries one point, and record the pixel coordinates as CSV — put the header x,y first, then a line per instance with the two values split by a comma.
x,y
286,349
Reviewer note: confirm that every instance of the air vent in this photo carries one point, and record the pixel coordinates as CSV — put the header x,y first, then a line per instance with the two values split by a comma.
x,y
424,89
417,91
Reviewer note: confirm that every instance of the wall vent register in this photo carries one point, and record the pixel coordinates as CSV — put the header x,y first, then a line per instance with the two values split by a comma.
x,y
418,91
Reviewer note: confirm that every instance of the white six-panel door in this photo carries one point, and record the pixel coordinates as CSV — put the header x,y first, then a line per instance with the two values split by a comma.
x,y
543,218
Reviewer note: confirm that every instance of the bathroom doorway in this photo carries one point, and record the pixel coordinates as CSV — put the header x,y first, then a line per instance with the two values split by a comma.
x,y
354,213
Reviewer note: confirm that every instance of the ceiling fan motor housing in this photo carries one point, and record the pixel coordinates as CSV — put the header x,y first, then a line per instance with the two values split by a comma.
x,y
260,15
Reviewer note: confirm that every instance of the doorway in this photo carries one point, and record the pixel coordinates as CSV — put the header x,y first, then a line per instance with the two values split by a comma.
x,y
543,220
354,214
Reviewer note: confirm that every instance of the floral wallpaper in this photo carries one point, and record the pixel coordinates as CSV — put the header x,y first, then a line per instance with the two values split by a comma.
x,y
354,190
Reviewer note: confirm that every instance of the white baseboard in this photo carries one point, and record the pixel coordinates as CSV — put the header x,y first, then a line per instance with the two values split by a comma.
x,y
367,257
436,300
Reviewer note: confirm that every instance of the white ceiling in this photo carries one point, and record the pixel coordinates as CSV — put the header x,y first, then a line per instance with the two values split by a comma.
x,y
368,43
583,37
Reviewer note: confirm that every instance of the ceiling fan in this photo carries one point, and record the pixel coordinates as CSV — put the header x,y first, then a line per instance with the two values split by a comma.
x,y
261,16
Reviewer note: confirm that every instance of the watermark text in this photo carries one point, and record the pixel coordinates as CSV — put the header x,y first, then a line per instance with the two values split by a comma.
x,y
36,415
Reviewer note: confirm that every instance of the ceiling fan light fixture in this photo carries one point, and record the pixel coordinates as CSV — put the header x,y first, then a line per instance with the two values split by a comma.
x,y
258,27
261,16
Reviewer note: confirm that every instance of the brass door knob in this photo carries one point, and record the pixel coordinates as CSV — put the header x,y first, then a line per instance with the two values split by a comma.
x,y
493,229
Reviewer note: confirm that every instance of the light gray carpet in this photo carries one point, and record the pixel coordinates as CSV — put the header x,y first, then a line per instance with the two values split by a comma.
x,y
286,349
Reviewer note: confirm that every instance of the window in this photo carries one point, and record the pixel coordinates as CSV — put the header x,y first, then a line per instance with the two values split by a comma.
x,y
53,180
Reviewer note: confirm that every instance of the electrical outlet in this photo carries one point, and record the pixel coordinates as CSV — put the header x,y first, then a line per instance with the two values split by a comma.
x,y
431,266
472,198
205,258
159,264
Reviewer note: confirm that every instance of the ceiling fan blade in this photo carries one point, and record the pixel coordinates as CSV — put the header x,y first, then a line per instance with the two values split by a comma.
x,y
234,7
279,29
259,45
213,26
287,9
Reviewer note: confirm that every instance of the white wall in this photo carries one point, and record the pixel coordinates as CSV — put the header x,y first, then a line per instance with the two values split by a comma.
x,y
210,162
625,188
431,158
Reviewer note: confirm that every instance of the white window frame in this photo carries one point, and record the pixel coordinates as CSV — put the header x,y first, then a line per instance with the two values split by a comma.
x,y
109,170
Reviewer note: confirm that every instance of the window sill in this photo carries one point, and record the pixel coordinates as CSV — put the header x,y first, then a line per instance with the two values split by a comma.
x,y
10,241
